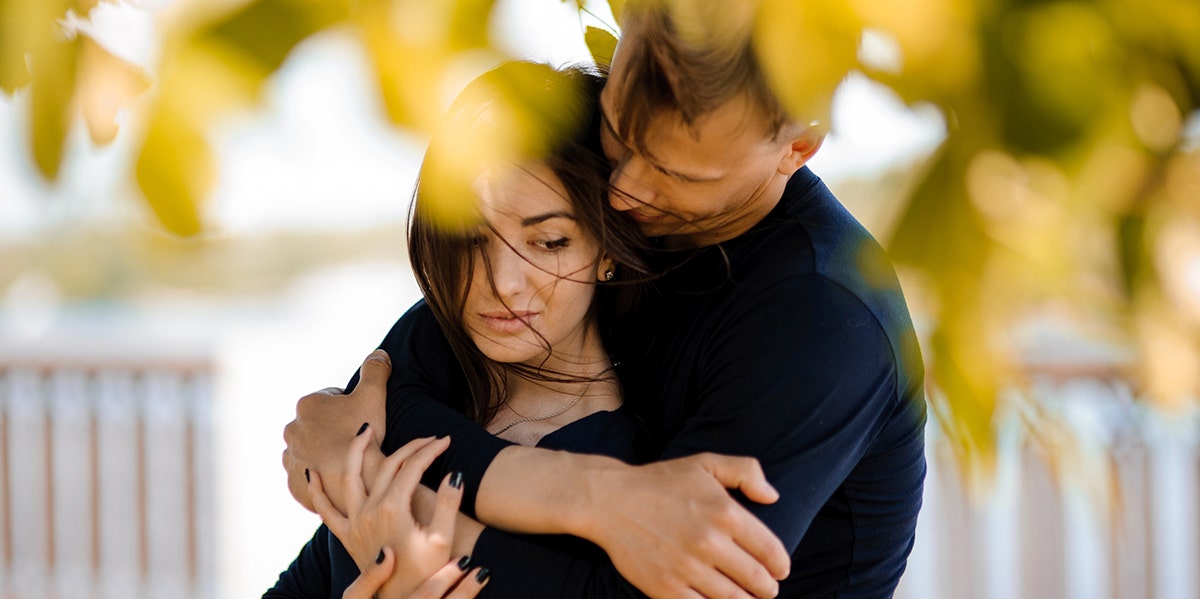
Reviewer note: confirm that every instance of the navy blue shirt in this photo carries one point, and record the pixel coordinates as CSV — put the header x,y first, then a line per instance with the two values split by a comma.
x,y
790,343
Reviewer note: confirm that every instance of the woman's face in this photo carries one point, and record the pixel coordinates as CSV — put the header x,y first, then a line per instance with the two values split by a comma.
x,y
542,266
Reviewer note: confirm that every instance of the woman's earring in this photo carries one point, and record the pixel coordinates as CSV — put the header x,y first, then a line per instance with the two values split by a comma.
x,y
608,275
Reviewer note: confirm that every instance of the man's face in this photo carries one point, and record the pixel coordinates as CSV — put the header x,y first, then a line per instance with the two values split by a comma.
x,y
699,184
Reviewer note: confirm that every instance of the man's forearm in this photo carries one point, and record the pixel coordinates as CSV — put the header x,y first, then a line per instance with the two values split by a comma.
x,y
540,491
666,526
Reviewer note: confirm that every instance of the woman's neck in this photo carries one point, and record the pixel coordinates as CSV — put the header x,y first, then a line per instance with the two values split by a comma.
x,y
585,359
564,388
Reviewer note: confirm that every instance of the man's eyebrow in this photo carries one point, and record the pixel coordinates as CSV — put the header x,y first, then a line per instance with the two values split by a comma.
x,y
541,218
608,126
649,157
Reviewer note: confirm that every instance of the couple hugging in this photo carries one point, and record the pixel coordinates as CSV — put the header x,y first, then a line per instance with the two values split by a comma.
x,y
656,357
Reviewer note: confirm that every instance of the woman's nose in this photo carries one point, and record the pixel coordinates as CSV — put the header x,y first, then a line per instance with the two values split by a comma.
x,y
509,271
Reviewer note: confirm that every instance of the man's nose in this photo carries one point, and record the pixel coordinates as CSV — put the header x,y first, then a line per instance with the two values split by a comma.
x,y
627,189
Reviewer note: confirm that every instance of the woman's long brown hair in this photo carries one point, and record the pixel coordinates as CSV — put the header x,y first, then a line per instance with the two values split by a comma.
x,y
559,114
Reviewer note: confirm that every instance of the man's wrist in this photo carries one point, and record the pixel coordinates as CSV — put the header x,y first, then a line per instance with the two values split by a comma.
x,y
587,493
372,458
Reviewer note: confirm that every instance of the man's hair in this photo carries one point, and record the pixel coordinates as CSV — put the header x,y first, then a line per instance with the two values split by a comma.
x,y
690,57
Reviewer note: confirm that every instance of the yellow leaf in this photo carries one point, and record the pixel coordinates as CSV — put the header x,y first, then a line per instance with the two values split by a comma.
x,y
106,85
264,32
175,170
417,49
15,42
937,41
601,44
51,93
26,28
807,47
469,23
511,114
617,7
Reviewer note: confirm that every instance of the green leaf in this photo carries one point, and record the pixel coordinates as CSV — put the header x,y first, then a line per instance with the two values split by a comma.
x,y
601,44
1131,251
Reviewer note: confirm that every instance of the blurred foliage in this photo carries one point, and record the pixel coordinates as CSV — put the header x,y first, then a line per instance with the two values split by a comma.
x,y
1064,179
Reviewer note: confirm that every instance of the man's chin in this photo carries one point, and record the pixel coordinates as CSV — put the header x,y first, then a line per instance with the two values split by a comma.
x,y
662,227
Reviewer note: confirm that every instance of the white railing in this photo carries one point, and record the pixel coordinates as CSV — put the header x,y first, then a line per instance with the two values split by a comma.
x,y
107,469
1103,504
105,478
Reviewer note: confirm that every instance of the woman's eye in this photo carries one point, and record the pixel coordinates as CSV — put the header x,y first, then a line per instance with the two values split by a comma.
x,y
552,244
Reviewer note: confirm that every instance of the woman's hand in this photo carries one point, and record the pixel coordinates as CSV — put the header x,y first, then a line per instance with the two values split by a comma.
x,y
452,581
384,519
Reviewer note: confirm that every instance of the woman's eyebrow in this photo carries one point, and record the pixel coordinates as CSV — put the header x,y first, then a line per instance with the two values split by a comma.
x,y
530,221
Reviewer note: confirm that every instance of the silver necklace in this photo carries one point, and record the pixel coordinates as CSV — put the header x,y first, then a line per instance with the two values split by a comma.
x,y
564,408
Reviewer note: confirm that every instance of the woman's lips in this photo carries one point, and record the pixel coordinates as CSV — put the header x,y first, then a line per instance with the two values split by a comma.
x,y
508,322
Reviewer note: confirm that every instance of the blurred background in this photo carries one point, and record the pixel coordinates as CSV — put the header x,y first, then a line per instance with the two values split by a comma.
x,y
202,218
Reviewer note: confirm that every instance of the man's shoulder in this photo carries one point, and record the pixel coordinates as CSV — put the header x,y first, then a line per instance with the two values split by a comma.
x,y
812,237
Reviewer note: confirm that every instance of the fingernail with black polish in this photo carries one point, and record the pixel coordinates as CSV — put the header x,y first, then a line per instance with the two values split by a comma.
x,y
379,558
361,429
482,576
456,480
464,563
307,476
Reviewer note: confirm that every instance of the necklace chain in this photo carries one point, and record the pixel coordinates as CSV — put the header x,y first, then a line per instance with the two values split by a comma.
x,y
564,408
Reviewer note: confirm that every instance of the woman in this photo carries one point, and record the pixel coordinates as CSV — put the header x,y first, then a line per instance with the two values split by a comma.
x,y
520,282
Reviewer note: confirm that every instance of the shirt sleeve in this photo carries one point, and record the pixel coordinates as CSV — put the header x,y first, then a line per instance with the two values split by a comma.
x,y
548,566
801,376
308,577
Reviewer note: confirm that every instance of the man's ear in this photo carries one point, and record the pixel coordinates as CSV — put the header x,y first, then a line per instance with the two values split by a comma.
x,y
802,142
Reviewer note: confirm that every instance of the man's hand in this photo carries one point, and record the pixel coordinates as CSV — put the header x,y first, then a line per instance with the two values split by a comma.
x,y
327,422
672,529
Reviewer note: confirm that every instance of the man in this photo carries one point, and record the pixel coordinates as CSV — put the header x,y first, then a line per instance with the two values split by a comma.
x,y
777,331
